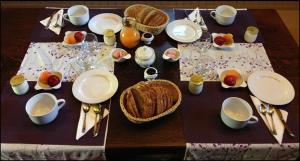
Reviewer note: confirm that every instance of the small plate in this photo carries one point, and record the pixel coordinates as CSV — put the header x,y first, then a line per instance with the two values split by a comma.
x,y
39,85
73,32
104,21
240,82
224,46
170,59
126,55
184,31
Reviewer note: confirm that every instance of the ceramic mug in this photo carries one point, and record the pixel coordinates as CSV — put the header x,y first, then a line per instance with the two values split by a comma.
x,y
224,14
78,15
237,113
43,108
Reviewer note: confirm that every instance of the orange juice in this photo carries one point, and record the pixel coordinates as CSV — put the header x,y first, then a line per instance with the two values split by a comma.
x,y
129,36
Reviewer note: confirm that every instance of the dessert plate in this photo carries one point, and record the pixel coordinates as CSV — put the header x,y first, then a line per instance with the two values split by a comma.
x,y
271,87
99,23
95,86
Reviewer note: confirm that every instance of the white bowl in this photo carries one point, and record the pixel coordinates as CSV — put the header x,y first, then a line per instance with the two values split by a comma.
x,y
126,55
147,40
39,85
240,81
224,46
171,59
67,33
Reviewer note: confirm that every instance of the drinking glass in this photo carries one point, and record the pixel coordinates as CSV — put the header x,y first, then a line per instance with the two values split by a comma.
x,y
204,42
88,53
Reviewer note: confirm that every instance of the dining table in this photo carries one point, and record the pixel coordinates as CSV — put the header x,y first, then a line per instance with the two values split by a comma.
x,y
194,131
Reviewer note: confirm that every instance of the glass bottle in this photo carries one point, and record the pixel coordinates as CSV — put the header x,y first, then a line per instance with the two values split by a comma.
x,y
129,35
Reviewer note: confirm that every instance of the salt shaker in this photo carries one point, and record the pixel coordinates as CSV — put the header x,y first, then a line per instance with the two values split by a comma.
x,y
109,37
196,84
251,34
19,84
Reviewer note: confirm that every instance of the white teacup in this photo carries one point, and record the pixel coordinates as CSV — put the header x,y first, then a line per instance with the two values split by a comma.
x,y
237,113
224,14
43,108
78,15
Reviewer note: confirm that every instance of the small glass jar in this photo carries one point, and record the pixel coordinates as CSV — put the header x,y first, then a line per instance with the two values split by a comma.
x,y
196,84
251,34
19,84
109,37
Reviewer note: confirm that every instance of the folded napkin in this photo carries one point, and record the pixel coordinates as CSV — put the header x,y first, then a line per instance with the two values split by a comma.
x,y
278,124
195,16
90,121
53,21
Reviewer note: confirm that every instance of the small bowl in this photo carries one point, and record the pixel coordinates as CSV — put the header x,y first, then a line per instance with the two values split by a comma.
x,y
171,55
68,33
240,82
224,46
150,73
147,38
122,58
40,85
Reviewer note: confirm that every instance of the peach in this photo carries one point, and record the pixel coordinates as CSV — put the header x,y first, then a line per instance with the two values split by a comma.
x,y
44,77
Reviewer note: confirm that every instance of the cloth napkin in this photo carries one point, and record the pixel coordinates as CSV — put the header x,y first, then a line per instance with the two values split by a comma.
x,y
53,21
196,16
278,124
90,121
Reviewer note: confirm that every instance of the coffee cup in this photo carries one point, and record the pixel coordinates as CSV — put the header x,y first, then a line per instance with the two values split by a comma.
x,y
224,15
236,113
78,15
43,108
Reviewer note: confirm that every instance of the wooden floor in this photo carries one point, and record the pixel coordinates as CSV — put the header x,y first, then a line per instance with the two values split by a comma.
x,y
288,10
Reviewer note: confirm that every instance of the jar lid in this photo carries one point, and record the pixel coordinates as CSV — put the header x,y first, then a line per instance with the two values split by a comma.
x,y
109,32
17,80
252,29
197,79
144,52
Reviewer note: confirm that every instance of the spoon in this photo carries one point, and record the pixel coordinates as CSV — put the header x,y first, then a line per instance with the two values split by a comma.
x,y
262,109
270,111
86,109
97,111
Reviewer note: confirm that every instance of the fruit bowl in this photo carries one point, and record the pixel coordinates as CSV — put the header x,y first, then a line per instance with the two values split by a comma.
x,y
120,55
221,43
231,78
74,38
48,80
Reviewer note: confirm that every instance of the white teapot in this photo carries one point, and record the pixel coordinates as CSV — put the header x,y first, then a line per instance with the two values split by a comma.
x,y
144,56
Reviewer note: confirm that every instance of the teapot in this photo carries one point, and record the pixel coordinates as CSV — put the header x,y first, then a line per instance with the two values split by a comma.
x,y
144,56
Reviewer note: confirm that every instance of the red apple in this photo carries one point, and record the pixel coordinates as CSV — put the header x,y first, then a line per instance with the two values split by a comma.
x,y
219,40
53,80
230,80
79,36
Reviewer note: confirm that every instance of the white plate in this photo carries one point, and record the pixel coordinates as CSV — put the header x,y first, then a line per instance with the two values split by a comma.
x,y
271,87
184,31
95,86
224,46
73,32
104,21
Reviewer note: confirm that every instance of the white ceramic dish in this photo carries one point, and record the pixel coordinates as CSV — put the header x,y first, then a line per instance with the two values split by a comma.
x,y
104,21
184,31
271,87
73,32
39,85
170,59
224,46
240,82
126,55
95,86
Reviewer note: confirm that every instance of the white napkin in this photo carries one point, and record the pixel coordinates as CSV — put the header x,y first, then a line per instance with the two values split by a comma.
x,y
90,121
53,21
196,16
277,122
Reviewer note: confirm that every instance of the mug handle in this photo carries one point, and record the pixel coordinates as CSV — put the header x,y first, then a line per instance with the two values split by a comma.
x,y
65,17
211,14
253,120
61,103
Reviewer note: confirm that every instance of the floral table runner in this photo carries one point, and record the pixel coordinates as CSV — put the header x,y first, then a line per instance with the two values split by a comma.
x,y
247,57
55,56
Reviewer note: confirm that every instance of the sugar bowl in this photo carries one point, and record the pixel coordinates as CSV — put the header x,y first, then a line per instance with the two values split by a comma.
x,y
144,56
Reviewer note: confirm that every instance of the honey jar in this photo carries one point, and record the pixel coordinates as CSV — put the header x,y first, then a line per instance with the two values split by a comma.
x,y
109,37
19,84
196,84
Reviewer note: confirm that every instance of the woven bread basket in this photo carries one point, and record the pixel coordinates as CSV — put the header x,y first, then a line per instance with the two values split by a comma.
x,y
155,30
144,120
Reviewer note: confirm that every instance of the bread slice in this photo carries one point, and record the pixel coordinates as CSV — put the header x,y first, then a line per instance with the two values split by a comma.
x,y
143,100
131,104
149,16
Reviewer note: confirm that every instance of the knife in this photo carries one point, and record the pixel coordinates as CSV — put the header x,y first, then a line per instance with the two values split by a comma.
x,y
49,21
284,123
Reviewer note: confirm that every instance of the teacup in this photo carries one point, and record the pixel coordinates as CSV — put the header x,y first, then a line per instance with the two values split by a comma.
x,y
43,108
224,14
78,15
236,113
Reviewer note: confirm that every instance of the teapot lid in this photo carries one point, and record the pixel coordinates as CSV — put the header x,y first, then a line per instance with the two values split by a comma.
x,y
144,52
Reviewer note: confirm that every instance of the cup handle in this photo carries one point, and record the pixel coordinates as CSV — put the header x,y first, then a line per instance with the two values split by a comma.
x,y
253,120
61,103
211,14
65,17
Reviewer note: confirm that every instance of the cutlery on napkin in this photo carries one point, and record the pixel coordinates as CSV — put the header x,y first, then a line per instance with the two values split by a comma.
x,y
196,17
53,20
90,120
278,125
